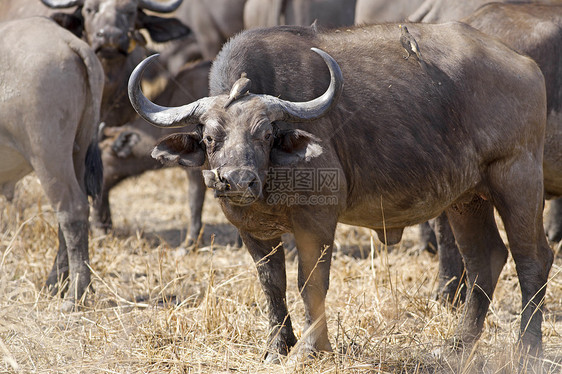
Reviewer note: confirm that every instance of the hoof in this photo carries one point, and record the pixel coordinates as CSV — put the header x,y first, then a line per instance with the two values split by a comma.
x,y
452,294
272,358
56,286
69,306
98,231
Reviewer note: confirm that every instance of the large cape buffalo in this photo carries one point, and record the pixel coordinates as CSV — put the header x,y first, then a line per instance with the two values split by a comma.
x,y
433,11
395,145
126,149
112,29
212,22
378,11
534,30
50,98
327,13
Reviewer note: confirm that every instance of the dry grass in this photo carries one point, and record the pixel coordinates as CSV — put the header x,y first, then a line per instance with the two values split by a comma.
x,y
158,309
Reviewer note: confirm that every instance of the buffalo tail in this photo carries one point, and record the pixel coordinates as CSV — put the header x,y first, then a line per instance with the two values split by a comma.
x,y
93,178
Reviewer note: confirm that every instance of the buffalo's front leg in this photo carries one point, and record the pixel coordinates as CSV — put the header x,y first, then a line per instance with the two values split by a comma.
x,y
196,187
270,263
314,238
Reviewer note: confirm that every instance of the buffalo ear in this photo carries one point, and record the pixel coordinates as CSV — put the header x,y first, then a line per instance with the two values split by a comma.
x,y
182,149
292,146
123,145
161,29
72,22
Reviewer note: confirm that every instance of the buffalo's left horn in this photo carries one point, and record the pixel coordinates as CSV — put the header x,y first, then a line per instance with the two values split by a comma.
x,y
282,110
162,116
59,4
160,7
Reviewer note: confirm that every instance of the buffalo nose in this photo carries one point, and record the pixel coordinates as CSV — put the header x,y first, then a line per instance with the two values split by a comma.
x,y
240,180
112,36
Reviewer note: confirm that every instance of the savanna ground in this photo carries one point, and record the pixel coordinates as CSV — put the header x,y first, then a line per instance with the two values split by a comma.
x,y
159,308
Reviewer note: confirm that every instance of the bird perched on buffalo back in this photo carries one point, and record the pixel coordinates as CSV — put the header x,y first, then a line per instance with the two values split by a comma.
x,y
409,44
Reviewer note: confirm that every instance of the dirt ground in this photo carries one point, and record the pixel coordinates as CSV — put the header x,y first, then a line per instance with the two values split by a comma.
x,y
157,307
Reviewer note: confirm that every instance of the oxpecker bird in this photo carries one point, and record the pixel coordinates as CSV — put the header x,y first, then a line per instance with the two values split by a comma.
x,y
240,88
411,47
409,43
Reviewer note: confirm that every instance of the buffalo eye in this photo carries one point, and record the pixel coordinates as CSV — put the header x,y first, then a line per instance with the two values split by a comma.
x,y
89,10
208,139
267,136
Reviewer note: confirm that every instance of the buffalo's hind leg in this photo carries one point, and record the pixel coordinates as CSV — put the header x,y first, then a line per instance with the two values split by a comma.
x,y
518,196
452,287
70,202
484,254
196,188
269,257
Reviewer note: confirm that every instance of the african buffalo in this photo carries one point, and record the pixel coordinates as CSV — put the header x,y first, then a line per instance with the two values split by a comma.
x,y
111,28
126,149
327,13
378,11
212,22
534,30
434,11
50,100
16,9
393,146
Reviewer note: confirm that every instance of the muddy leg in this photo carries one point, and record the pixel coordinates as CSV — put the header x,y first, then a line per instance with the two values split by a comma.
x,y
314,248
71,204
196,188
517,192
269,258
59,271
484,255
532,255
451,267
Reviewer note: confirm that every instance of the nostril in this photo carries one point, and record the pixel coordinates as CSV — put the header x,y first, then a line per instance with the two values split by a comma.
x,y
252,184
240,180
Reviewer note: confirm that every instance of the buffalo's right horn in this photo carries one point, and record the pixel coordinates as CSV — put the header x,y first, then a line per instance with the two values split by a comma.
x,y
162,116
59,4
160,7
282,110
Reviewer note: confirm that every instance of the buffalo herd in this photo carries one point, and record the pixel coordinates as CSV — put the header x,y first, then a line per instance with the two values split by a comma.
x,y
298,115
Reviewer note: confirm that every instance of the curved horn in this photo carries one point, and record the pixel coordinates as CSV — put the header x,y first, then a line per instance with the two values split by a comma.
x,y
160,7
282,110
162,116
59,4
